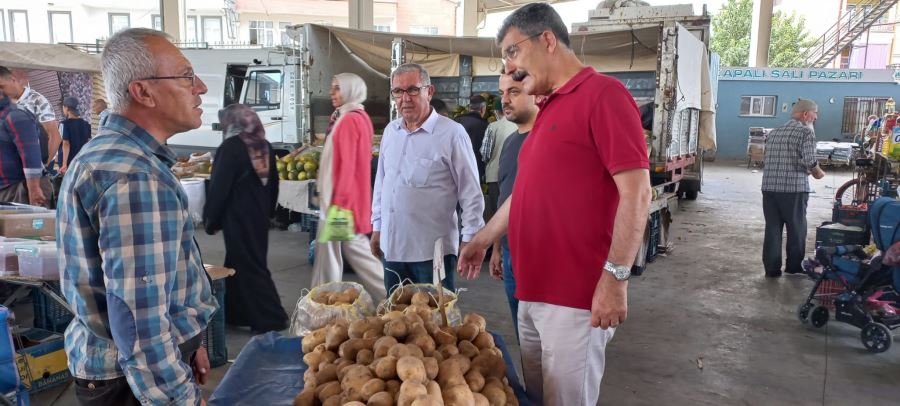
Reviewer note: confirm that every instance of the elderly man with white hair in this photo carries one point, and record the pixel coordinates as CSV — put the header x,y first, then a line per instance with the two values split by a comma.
x,y
790,158
131,270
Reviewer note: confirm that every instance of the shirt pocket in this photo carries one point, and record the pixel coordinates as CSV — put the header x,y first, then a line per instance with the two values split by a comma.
x,y
418,170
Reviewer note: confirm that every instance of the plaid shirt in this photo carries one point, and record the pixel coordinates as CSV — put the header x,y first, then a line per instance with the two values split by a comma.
x,y
20,149
131,269
790,155
495,136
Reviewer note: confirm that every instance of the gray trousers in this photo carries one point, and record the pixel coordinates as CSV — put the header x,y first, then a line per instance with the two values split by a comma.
x,y
784,210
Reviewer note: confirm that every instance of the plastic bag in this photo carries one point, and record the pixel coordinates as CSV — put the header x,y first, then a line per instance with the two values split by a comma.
x,y
310,315
338,225
454,316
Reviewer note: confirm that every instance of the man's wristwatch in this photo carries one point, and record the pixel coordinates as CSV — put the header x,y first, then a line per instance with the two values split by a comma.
x,y
620,272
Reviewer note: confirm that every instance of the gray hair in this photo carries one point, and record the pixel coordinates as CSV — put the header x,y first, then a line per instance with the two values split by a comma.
x,y
412,67
126,58
533,19
804,105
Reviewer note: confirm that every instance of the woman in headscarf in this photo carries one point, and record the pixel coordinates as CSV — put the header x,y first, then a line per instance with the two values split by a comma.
x,y
240,201
344,181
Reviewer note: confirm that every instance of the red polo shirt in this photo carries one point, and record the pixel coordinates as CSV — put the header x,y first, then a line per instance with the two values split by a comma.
x,y
564,200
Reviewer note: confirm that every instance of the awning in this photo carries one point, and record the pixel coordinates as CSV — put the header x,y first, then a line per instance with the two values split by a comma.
x,y
501,5
47,57
617,51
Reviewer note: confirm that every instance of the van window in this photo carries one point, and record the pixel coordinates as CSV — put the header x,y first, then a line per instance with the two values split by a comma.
x,y
264,90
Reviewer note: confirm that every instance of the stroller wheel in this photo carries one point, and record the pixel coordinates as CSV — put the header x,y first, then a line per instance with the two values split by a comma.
x,y
803,312
876,337
819,316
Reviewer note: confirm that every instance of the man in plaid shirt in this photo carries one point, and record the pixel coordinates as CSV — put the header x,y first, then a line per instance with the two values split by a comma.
x,y
131,270
790,158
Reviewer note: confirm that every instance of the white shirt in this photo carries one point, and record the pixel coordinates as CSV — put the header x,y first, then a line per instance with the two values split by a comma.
x,y
422,175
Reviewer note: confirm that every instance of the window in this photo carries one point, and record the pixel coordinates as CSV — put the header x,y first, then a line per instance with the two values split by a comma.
x,y
758,106
60,26
18,26
190,28
118,22
156,22
212,30
423,29
282,28
857,110
264,90
383,28
262,33
2,26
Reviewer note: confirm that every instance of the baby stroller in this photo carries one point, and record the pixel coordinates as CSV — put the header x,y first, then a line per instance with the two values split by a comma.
x,y
860,292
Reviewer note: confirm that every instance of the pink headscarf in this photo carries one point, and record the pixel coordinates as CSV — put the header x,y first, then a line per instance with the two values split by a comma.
x,y
241,120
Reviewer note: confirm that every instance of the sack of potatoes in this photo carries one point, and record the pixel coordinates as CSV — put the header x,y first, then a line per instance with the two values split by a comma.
x,y
328,302
423,297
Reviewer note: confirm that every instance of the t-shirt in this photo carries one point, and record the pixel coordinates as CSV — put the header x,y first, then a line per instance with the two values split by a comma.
x,y
509,165
40,107
564,198
78,132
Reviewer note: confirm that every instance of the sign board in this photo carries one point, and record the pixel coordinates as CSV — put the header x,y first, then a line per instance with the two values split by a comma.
x,y
811,75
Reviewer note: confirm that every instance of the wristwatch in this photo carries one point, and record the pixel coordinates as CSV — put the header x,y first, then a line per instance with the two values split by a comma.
x,y
620,272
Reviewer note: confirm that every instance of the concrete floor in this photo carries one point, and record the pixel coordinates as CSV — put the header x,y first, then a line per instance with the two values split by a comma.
x,y
704,327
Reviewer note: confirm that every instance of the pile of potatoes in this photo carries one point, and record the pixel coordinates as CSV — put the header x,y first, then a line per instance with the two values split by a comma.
x,y
348,296
406,296
404,358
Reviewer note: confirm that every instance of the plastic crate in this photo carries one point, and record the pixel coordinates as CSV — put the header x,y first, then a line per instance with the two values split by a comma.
x,y
831,237
850,215
214,335
48,314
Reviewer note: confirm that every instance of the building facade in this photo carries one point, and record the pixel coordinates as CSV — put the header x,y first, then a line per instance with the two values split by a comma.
x,y
762,97
212,23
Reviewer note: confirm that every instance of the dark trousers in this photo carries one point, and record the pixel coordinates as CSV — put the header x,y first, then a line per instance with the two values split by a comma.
x,y
116,391
780,210
490,203
417,272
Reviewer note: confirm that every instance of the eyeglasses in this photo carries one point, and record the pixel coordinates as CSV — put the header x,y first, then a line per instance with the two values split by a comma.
x,y
513,50
412,91
191,77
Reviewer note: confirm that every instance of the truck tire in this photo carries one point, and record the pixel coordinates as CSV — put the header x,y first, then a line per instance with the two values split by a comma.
x,y
690,194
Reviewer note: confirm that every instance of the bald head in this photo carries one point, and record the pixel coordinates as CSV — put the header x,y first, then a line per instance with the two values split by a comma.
x,y
805,111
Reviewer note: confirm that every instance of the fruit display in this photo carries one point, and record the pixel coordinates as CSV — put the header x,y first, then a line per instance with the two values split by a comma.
x,y
404,358
303,166
490,99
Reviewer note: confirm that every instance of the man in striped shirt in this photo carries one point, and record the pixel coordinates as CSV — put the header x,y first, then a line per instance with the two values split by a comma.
x,y
131,270
789,160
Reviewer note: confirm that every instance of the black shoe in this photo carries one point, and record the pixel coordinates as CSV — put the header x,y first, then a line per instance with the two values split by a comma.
x,y
794,271
776,274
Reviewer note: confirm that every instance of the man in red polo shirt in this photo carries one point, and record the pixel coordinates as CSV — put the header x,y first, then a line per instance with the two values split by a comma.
x,y
577,214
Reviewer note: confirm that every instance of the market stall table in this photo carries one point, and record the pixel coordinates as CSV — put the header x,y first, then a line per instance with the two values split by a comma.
x,y
269,371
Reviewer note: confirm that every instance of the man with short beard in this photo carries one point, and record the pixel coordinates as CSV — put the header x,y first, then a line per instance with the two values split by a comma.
x,y
520,109
790,158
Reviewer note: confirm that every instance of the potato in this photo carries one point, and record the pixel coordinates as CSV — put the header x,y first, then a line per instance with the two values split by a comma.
x,y
484,340
448,350
371,387
424,400
511,399
412,320
358,327
352,293
373,333
396,328
341,298
405,295
401,307
386,368
340,365
354,403
432,367
480,400
423,341
353,381
393,387
382,345
475,380
468,349
327,373
467,332
489,365
376,322
451,371
434,391
336,335
409,391
313,359
313,339
476,319
437,356
415,351
322,297
381,399
458,395
306,398
420,298
309,379
323,392
335,400
392,315
365,356
411,369
445,335
495,395
399,350
349,348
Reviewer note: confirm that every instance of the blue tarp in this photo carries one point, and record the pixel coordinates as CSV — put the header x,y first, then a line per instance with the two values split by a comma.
x,y
269,371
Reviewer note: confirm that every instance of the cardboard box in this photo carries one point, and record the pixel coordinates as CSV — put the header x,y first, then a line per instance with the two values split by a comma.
x,y
29,224
41,359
